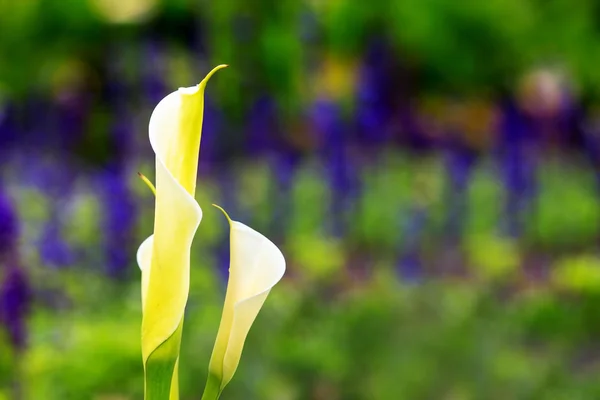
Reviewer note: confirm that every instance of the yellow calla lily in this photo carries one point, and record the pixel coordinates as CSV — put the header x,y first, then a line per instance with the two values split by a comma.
x,y
164,258
256,265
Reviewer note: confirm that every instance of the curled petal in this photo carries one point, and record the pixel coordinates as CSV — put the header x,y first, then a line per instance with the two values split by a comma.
x,y
256,265
164,258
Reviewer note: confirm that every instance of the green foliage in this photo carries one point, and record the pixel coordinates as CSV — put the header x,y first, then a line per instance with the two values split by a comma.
x,y
262,41
493,333
383,340
576,222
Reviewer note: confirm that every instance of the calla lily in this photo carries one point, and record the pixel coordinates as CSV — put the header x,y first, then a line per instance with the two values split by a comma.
x,y
164,258
256,265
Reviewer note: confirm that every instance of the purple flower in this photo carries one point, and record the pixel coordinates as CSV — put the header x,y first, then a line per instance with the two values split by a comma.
x,y
409,268
53,248
8,129
117,86
122,132
262,127
9,226
328,124
119,221
35,131
15,299
285,164
518,139
228,184
53,176
222,256
211,127
413,133
154,71
70,118
375,96
460,160
330,128
589,127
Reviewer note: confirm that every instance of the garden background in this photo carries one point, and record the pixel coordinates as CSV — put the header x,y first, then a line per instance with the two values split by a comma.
x,y
430,169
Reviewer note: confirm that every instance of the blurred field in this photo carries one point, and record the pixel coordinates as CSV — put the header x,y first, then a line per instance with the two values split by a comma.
x,y
430,169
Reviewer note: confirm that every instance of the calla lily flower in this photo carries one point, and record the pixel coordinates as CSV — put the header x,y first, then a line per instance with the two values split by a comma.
x,y
164,258
256,265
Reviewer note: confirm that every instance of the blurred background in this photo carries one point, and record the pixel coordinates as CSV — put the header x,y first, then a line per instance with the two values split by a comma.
x,y
430,168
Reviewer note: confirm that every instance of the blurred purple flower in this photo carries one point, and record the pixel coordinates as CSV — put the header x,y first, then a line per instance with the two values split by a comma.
x,y
154,71
409,268
55,179
121,142
119,213
117,87
15,299
122,133
414,226
35,130
53,248
118,222
222,256
590,130
9,131
327,120
285,164
228,188
330,128
412,133
375,96
9,226
209,148
55,125
264,138
518,138
70,115
409,263
460,161
262,125
584,123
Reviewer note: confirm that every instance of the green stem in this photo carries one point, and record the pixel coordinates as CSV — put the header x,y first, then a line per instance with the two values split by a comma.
x,y
174,394
212,391
161,370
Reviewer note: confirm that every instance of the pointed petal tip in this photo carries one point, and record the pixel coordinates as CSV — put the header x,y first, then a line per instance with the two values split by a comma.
x,y
224,212
211,73
199,88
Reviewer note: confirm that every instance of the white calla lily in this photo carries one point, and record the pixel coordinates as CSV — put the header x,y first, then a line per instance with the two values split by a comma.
x,y
164,258
256,265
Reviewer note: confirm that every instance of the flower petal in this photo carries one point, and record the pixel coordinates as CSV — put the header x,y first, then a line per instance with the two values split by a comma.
x,y
164,258
144,258
177,216
256,266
